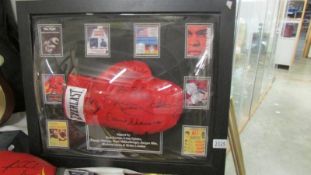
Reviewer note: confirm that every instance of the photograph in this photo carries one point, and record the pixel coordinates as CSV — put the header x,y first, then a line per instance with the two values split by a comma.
x,y
57,133
147,40
50,38
196,92
198,39
97,40
53,88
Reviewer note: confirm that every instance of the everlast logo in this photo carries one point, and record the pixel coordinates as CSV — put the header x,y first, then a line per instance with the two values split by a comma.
x,y
75,103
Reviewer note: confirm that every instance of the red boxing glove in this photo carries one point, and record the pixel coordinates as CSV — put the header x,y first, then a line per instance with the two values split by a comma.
x,y
126,97
19,163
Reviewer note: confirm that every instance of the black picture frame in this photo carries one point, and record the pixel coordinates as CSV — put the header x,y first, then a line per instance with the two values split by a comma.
x,y
223,10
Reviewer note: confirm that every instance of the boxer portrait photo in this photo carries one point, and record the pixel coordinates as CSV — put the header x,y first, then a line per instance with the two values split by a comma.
x,y
198,39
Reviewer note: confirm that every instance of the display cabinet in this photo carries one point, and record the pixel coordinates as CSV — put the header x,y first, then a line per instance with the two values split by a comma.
x,y
254,55
289,35
143,85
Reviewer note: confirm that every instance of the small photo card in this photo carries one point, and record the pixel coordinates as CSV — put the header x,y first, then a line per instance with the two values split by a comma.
x,y
53,88
50,40
194,140
197,92
199,38
97,40
147,40
57,131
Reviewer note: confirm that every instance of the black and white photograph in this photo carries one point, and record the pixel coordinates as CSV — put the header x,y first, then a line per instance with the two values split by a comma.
x,y
51,41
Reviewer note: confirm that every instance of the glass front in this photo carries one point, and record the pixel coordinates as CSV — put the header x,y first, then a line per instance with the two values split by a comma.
x,y
125,86
253,55
265,67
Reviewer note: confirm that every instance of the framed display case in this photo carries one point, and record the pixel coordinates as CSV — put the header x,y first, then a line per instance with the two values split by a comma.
x,y
143,85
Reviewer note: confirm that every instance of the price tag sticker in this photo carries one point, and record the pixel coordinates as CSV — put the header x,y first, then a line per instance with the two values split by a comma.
x,y
219,143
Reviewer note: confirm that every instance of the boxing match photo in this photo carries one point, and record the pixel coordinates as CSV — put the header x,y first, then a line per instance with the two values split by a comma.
x,y
197,92
57,134
53,88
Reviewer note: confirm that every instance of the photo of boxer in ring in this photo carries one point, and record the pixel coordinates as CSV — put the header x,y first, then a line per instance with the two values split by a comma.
x,y
197,92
